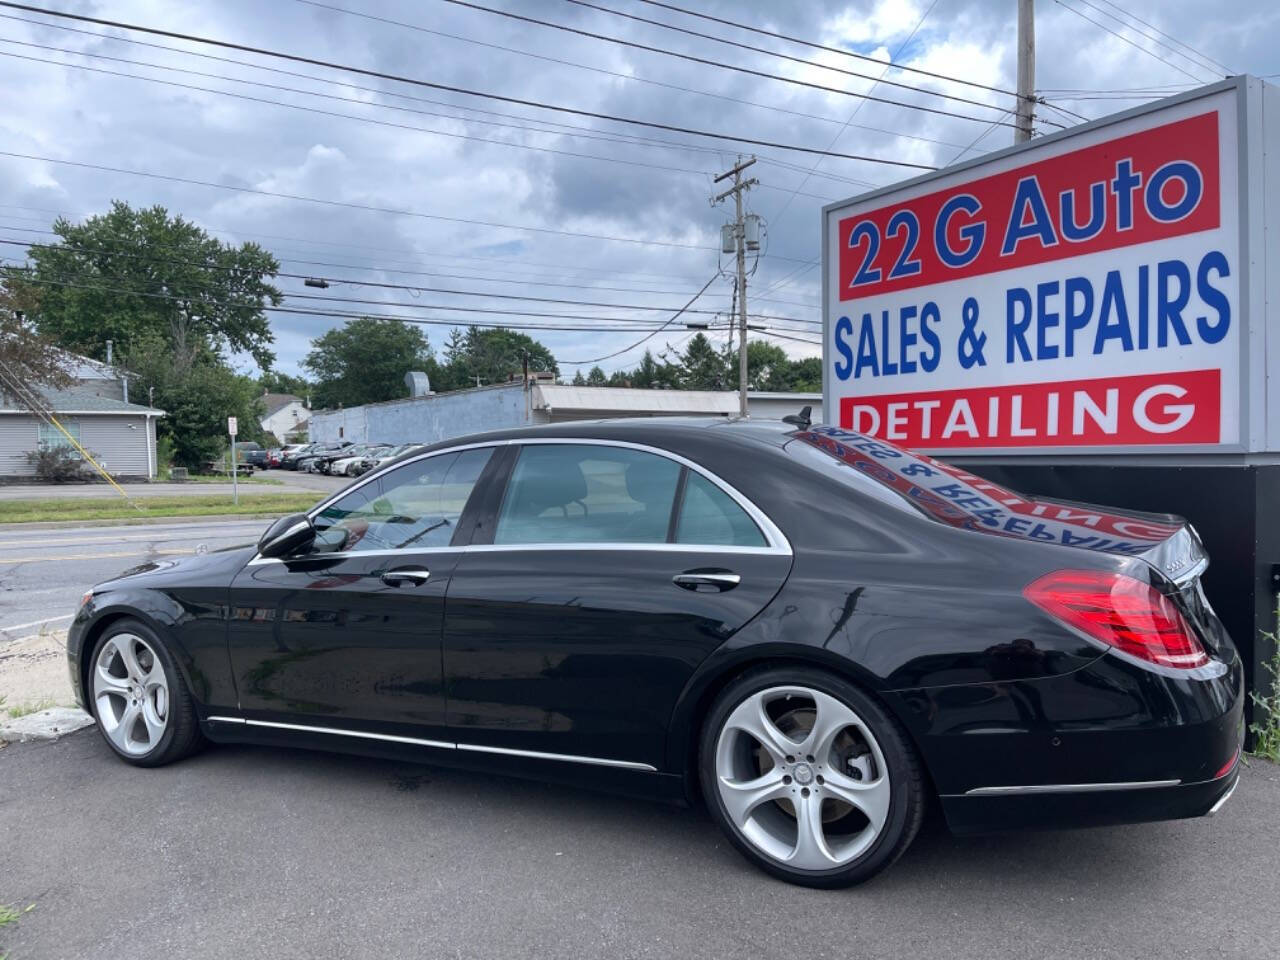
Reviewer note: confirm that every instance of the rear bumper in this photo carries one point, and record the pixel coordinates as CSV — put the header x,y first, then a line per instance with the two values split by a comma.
x,y
1109,743
977,813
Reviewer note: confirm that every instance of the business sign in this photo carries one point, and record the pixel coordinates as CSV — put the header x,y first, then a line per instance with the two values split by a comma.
x,y
1084,292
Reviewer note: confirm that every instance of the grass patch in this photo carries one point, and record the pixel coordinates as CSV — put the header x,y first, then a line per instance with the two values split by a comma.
x,y
9,916
195,505
31,706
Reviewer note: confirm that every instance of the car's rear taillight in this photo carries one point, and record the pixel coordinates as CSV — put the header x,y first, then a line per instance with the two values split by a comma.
x,y
1121,612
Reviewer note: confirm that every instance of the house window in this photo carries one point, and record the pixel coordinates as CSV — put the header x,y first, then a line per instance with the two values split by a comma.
x,y
51,438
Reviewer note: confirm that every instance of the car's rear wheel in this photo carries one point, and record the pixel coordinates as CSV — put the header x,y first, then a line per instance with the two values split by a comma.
x,y
140,700
809,777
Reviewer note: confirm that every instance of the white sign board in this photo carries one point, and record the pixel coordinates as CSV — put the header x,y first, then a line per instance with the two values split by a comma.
x,y
232,426
1087,292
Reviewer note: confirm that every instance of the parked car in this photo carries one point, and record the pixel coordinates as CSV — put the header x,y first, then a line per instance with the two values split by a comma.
x,y
290,454
309,461
386,456
250,453
811,631
347,464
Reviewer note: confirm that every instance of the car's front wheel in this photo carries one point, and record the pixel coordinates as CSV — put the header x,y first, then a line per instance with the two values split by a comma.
x,y
810,777
140,700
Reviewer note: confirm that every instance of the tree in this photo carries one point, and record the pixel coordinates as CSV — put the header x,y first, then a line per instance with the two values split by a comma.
x,y
273,381
130,275
579,380
596,378
482,356
365,361
196,401
702,367
26,356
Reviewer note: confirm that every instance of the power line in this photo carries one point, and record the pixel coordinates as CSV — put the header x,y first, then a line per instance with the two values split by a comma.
x,y
1207,63
1136,46
371,120
268,236
604,136
378,268
711,63
612,73
405,96
355,206
180,261
362,71
824,47
622,324
772,53
674,316
817,163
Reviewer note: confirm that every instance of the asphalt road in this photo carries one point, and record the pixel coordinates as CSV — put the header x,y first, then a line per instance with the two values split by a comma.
x,y
44,573
267,853
290,481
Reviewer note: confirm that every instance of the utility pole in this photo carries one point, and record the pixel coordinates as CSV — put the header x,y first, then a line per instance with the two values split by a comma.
x,y
740,235
1026,70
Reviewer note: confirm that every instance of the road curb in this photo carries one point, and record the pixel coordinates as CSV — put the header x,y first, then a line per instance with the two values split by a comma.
x,y
45,725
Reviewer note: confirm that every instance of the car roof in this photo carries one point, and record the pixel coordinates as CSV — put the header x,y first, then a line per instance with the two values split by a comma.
x,y
646,430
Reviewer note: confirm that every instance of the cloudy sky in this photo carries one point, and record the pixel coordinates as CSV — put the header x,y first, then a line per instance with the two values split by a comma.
x,y
480,197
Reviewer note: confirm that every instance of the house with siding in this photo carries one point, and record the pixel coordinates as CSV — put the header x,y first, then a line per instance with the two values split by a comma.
x,y
96,411
285,416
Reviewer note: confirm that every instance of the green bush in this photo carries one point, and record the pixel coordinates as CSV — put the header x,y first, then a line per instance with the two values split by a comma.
x,y
59,464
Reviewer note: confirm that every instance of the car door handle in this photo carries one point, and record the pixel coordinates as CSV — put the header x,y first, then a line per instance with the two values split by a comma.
x,y
414,575
715,581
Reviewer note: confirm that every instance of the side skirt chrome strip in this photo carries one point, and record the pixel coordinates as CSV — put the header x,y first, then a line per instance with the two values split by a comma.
x,y
1034,788
571,758
440,744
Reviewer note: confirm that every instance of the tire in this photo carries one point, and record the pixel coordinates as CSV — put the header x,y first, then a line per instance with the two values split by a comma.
x,y
861,753
152,729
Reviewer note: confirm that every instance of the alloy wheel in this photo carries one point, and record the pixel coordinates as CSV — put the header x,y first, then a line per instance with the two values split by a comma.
x,y
802,778
131,694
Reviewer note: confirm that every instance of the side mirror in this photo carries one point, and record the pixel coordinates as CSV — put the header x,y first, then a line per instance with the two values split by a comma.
x,y
287,535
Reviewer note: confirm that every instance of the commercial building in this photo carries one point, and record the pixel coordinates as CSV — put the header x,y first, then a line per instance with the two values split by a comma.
x,y
431,417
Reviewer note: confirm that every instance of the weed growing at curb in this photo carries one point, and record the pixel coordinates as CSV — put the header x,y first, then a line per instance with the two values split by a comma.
x,y
30,707
1266,728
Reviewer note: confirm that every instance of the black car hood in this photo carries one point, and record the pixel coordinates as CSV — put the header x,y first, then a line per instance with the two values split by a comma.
x,y
961,499
209,568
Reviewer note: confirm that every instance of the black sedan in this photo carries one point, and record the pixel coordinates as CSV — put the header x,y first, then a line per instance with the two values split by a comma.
x,y
811,631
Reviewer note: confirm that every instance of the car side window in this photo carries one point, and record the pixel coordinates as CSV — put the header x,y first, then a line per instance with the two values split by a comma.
x,y
710,516
587,493
414,506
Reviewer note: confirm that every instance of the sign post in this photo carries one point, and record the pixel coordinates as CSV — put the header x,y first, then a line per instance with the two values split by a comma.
x,y
232,427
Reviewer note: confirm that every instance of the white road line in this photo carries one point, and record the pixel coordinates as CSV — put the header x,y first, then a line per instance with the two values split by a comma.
x,y
35,623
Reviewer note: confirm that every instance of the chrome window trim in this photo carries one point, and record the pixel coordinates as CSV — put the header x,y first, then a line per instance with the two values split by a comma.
x,y
778,544
439,744
1038,788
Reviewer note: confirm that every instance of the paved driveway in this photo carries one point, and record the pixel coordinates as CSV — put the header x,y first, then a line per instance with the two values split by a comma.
x,y
252,852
